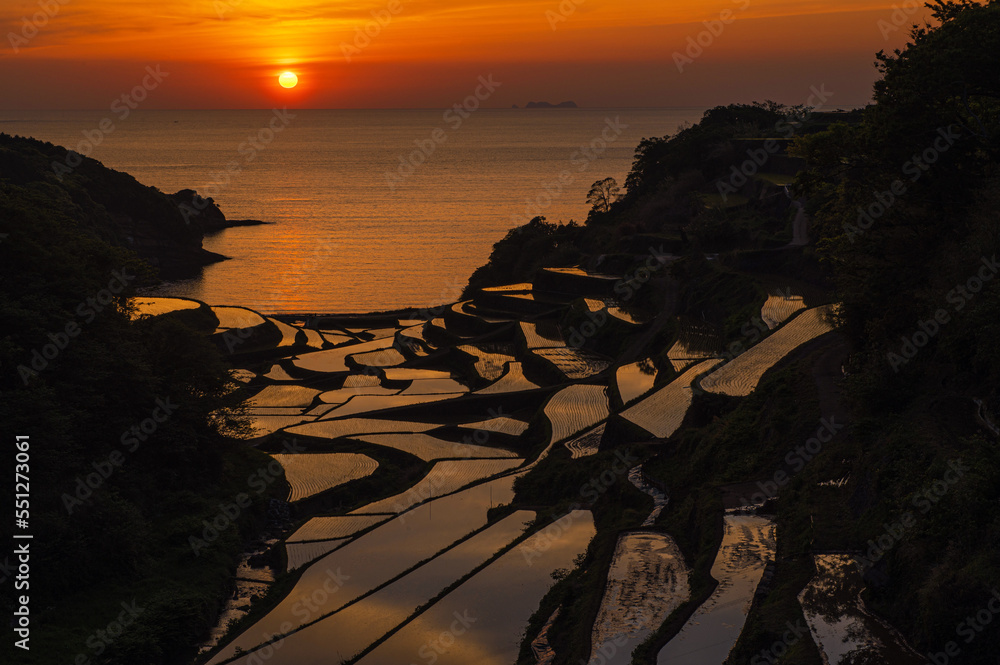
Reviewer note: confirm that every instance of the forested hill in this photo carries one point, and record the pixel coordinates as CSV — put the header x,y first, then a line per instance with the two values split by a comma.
x,y
901,199
111,507
164,230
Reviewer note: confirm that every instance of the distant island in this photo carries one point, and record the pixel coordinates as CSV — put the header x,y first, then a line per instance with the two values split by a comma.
x,y
549,105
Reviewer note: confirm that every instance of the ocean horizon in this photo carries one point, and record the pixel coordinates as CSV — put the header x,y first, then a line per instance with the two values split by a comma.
x,y
365,210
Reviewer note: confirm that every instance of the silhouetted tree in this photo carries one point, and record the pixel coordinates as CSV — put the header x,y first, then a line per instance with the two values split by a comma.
x,y
603,193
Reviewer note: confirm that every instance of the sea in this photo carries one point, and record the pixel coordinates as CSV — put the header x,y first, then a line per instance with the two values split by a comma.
x,y
366,210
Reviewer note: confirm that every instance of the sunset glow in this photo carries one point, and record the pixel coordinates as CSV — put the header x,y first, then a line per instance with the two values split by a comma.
x,y
288,80
427,53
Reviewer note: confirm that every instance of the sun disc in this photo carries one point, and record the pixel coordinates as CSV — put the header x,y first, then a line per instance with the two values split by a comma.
x,y
288,80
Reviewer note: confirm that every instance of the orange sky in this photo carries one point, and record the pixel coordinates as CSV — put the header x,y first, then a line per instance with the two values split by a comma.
x,y
429,53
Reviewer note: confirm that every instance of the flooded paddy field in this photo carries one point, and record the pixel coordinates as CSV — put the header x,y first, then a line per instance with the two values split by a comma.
x,y
466,399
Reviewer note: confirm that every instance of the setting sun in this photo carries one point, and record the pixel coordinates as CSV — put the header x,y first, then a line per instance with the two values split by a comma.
x,y
288,80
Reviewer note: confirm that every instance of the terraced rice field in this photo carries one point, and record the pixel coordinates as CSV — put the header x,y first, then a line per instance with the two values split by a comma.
x,y
624,316
489,363
741,375
379,358
710,634
541,648
661,413
380,333
157,306
333,360
500,597
275,411
288,333
429,448
575,364
299,396
242,375
333,528
593,305
541,335
368,403
408,374
313,338
237,317
362,381
312,473
357,627
501,425
587,443
415,331
580,272
682,355
641,483
299,554
843,630
265,425
336,429
336,339
444,477
471,309
341,395
511,382
235,609
413,342
523,286
321,410
375,558
635,380
278,373
648,580
575,408
435,387
779,307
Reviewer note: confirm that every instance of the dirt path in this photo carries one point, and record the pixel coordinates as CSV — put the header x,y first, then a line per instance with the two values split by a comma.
x,y
800,226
